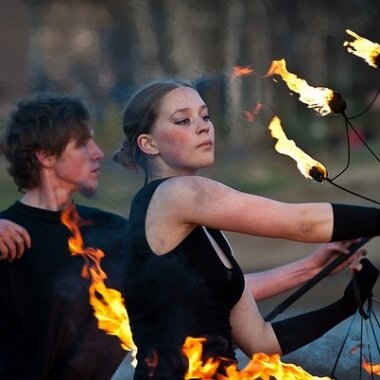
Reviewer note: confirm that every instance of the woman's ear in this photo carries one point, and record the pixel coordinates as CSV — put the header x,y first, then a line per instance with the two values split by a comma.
x,y
146,144
45,159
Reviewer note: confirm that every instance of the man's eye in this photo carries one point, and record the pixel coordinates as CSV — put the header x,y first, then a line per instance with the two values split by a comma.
x,y
83,144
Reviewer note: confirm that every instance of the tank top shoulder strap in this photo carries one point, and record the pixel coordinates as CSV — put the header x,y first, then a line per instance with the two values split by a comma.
x,y
144,195
139,207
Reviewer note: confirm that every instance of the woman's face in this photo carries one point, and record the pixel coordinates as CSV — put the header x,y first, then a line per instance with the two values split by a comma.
x,y
183,132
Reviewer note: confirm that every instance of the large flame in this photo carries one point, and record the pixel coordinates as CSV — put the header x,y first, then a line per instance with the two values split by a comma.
x,y
363,48
309,167
261,366
108,303
321,99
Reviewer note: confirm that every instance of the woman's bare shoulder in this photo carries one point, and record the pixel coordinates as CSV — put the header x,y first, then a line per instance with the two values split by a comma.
x,y
191,185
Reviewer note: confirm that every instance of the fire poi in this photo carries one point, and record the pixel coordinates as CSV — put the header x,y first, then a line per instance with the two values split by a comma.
x,y
321,99
363,48
309,167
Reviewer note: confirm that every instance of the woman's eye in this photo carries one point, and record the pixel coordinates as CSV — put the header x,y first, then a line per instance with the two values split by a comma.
x,y
206,118
183,122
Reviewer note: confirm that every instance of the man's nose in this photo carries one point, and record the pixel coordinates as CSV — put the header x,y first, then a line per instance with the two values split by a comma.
x,y
96,151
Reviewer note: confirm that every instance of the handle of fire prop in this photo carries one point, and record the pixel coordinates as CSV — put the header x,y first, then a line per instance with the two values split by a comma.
x,y
314,280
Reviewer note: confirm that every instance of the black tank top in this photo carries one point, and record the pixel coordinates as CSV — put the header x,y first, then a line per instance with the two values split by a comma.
x,y
185,292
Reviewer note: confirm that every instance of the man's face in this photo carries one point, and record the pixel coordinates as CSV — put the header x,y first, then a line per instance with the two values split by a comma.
x,y
78,167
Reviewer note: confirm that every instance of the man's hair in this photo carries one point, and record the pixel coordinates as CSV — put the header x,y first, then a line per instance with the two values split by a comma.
x,y
42,122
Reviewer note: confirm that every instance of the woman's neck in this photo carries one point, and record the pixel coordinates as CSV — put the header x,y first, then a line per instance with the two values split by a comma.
x,y
169,172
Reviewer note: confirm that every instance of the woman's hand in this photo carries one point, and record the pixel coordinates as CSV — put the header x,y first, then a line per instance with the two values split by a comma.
x,y
328,252
14,240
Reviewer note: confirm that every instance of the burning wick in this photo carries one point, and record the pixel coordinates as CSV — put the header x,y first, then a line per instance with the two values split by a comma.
x,y
321,99
309,167
363,48
337,103
317,173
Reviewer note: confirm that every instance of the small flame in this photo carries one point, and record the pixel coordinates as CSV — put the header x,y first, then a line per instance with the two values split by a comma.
x,y
309,167
363,48
251,115
371,368
242,71
108,303
320,99
261,366
356,348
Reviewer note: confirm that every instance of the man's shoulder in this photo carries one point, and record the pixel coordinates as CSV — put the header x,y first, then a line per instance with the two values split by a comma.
x,y
104,230
10,213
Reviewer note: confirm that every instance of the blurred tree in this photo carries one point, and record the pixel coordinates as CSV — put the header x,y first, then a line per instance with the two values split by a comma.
x,y
234,30
105,49
15,27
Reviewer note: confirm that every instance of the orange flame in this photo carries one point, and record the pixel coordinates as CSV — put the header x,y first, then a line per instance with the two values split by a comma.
x,y
371,368
108,303
242,71
261,366
309,167
251,115
265,367
320,99
193,348
364,48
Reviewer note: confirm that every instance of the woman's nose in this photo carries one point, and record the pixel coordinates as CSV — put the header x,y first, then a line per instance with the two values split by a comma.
x,y
203,126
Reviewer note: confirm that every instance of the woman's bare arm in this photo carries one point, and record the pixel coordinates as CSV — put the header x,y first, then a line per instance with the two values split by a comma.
x,y
249,330
269,283
181,203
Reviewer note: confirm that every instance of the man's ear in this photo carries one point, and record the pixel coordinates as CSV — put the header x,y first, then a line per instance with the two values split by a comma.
x,y
146,144
44,158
